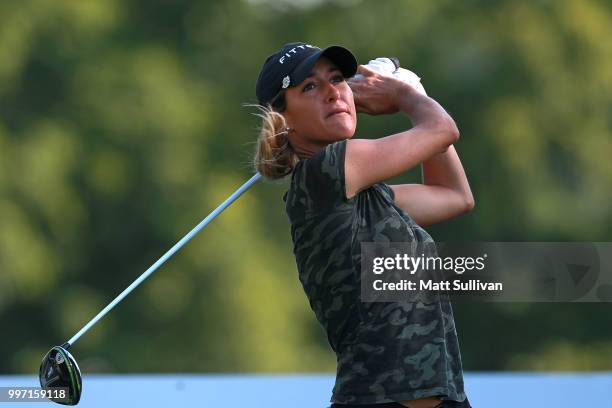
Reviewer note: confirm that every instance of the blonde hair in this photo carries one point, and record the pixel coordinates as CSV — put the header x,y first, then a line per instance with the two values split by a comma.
x,y
274,156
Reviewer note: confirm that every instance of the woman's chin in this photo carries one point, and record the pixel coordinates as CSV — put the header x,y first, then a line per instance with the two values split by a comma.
x,y
341,135
343,130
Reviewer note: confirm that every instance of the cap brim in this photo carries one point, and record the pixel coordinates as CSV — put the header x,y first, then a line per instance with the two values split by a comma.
x,y
342,57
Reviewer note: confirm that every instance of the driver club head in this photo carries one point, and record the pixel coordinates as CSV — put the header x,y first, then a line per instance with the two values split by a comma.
x,y
60,370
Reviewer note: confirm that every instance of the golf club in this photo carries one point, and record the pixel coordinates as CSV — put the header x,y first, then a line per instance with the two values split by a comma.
x,y
60,370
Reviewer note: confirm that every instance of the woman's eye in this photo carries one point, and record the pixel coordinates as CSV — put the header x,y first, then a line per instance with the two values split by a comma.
x,y
334,79
308,86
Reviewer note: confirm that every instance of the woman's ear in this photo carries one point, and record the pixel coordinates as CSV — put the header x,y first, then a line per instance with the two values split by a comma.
x,y
287,121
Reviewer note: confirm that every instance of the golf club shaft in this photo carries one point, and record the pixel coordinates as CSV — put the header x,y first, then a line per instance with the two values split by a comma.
x,y
165,257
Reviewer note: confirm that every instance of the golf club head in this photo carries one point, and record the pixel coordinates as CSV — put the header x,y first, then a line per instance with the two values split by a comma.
x,y
60,370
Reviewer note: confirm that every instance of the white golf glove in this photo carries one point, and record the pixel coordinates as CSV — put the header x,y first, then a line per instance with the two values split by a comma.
x,y
386,66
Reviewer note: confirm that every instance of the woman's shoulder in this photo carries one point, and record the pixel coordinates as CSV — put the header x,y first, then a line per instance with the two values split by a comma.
x,y
317,183
323,171
329,159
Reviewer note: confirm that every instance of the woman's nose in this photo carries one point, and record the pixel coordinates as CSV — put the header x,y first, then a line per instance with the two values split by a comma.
x,y
331,92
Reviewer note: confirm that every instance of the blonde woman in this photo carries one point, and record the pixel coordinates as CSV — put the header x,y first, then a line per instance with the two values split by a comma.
x,y
390,354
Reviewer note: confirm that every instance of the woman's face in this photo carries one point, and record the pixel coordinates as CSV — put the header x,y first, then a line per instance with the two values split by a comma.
x,y
321,109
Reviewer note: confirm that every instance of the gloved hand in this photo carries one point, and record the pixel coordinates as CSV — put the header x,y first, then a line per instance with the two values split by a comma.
x,y
390,66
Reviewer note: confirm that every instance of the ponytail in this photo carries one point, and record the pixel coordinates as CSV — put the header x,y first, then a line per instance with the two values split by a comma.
x,y
274,156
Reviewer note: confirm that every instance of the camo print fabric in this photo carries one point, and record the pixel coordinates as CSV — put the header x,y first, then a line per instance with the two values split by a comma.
x,y
386,352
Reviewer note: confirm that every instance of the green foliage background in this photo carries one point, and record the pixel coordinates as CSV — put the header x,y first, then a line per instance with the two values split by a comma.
x,y
122,124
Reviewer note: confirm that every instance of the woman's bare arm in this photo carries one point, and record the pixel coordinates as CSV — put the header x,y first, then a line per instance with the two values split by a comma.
x,y
370,161
444,194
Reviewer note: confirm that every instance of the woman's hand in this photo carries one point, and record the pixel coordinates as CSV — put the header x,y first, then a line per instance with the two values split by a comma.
x,y
377,94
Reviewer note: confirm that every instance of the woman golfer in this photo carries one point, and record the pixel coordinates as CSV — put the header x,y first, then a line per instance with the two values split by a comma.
x,y
391,354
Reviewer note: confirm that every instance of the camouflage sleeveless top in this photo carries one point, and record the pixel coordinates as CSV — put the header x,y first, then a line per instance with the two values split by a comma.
x,y
386,352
